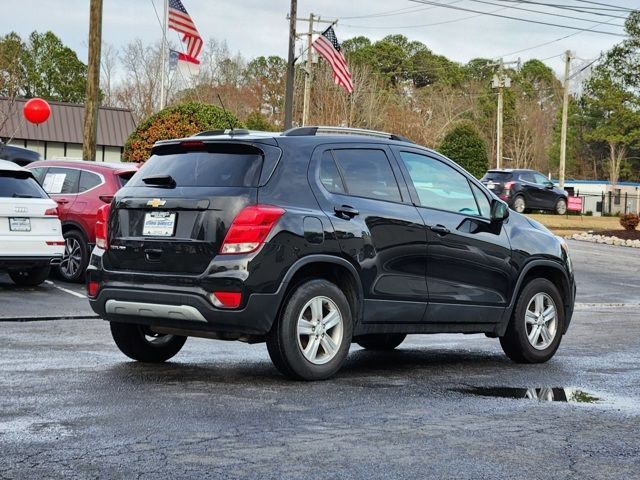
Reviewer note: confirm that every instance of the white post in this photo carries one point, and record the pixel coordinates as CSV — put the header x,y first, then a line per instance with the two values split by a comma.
x,y
164,56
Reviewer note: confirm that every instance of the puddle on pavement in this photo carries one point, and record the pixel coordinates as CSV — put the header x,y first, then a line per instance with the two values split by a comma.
x,y
542,394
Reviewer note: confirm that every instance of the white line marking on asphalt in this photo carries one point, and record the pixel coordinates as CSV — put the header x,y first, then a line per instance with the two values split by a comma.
x,y
606,305
66,290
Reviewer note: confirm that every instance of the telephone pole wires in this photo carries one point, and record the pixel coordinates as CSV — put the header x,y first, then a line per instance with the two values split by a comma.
x,y
565,115
93,82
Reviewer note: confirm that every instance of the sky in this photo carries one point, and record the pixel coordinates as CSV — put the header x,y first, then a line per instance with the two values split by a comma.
x,y
259,27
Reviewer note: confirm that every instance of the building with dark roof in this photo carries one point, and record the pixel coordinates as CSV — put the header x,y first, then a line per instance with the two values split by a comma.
x,y
61,135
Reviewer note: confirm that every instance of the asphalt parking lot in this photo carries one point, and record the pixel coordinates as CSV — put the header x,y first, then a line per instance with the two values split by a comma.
x,y
71,405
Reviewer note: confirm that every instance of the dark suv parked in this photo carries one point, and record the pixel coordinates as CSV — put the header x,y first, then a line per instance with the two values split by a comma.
x,y
526,190
316,238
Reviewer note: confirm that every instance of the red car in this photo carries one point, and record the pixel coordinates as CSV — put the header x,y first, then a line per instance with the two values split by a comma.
x,y
80,188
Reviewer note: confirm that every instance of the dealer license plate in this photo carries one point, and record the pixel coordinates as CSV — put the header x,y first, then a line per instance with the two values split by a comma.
x,y
159,224
20,224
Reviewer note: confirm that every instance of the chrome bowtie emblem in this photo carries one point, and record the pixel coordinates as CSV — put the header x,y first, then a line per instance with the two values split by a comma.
x,y
156,202
20,209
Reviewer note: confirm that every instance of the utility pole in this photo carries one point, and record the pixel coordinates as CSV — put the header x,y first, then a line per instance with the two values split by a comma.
x,y
93,82
288,96
163,59
500,81
307,78
500,115
565,114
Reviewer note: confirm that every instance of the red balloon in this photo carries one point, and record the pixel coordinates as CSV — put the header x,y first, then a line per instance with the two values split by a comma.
x,y
36,110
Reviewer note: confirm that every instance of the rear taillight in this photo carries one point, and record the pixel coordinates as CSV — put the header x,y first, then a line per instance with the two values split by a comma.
x,y
226,299
92,289
250,229
51,212
102,227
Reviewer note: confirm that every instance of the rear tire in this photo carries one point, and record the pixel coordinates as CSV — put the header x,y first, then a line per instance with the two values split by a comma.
x,y
139,343
30,277
537,324
561,207
381,341
519,204
311,339
75,257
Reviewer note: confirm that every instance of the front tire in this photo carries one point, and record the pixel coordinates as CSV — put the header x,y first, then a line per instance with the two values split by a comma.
x,y
140,343
75,257
381,342
519,204
535,330
30,277
311,339
561,206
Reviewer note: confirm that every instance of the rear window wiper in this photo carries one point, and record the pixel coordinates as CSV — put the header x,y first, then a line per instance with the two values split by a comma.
x,y
160,181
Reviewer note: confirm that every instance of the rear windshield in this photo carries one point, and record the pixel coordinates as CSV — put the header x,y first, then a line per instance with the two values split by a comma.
x,y
497,176
19,185
204,169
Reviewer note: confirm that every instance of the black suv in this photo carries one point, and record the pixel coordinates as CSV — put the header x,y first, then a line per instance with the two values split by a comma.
x,y
315,238
526,190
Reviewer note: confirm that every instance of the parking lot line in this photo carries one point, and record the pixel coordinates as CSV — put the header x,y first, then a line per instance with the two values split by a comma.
x,y
66,290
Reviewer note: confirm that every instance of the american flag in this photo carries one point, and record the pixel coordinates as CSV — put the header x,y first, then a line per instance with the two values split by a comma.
x,y
180,21
327,45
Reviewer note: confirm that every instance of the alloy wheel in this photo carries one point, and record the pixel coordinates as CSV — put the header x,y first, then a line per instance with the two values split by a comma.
x,y
541,321
319,330
519,205
72,258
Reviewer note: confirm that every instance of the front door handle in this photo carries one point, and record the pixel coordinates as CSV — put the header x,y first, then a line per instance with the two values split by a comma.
x,y
440,229
62,201
345,211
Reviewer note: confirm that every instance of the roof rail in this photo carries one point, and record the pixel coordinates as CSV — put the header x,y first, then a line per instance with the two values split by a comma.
x,y
222,131
313,131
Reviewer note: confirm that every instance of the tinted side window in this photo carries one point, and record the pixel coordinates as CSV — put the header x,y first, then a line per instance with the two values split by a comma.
x,y
329,175
367,173
527,177
438,185
483,201
88,180
61,180
540,179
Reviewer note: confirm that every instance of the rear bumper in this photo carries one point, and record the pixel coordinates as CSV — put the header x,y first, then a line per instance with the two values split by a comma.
x,y
185,310
10,263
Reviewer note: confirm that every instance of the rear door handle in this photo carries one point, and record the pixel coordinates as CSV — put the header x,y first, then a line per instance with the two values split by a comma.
x,y
440,229
152,254
345,211
62,201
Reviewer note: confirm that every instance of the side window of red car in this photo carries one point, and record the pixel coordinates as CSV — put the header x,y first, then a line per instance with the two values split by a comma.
x,y
88,180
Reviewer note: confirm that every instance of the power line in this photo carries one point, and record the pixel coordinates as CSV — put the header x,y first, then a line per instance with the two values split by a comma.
x,y
606,5
545,13
554,41
520,19
566,7
444,22
391,13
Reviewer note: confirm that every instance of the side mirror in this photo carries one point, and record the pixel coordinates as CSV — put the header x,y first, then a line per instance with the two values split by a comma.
x,y
499,211
548,185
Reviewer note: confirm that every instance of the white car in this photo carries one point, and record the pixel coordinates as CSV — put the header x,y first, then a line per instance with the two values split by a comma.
x,y
30,231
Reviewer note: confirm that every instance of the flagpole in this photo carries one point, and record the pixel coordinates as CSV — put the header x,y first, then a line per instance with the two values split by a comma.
x,y
164,56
